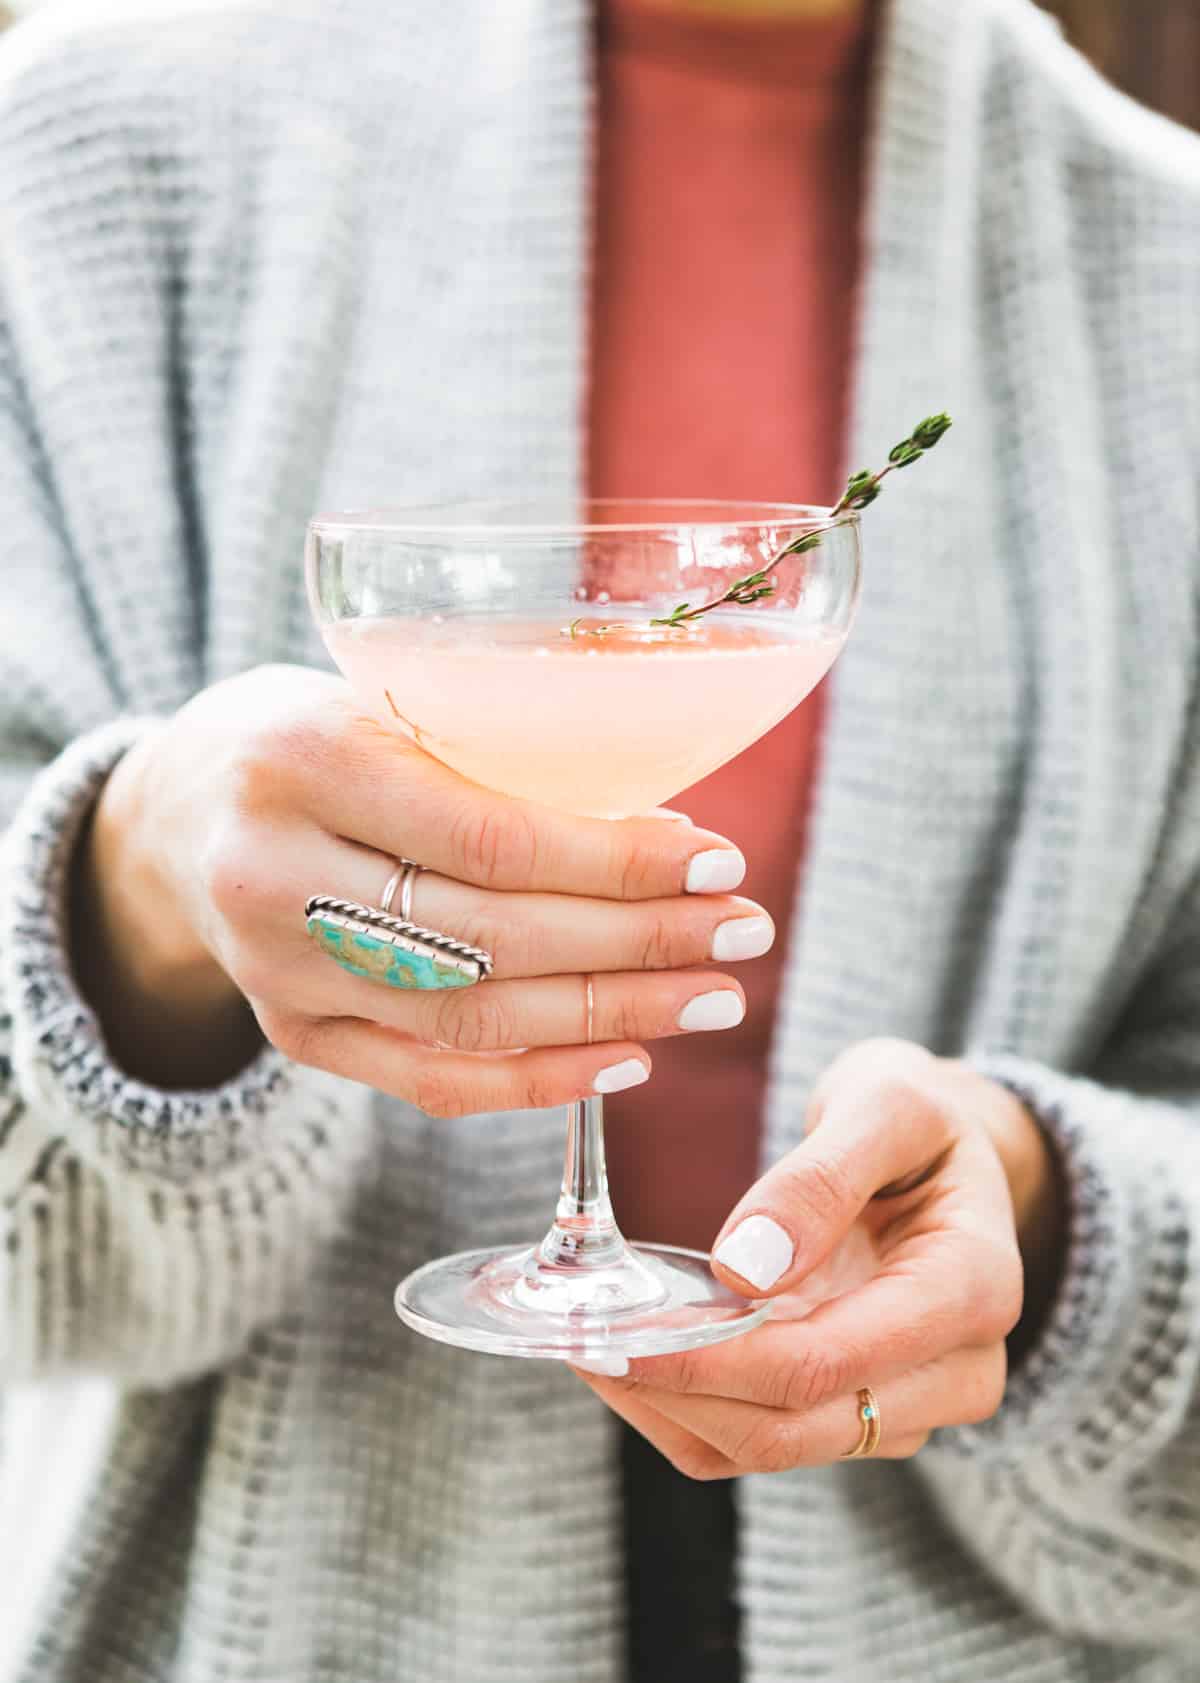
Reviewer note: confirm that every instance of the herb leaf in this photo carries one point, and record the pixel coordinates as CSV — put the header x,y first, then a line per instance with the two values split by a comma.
x,y
862,488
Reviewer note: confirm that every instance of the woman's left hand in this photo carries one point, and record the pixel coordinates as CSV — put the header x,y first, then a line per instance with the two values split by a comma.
x,y
903,1218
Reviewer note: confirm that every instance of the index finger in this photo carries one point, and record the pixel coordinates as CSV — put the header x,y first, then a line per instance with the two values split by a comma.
x,y
394,797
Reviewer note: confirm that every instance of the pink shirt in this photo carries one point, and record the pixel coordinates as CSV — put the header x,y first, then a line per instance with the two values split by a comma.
x,y
726,193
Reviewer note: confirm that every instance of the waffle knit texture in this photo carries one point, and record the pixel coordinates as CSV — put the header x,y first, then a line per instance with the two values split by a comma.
x,y
259,255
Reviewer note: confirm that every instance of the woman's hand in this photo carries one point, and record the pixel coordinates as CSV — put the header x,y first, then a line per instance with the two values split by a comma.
x,y
273,786
890,1241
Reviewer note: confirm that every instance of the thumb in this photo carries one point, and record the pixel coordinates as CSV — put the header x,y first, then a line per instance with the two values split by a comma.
x,y
802,1209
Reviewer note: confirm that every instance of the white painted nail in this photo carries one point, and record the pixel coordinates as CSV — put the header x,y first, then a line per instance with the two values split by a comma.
x,y
612,1367
758,1249
715,871
631,1073
743,937
717,1010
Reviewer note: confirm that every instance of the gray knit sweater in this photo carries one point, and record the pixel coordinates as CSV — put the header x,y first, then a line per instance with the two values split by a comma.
x,y
259,255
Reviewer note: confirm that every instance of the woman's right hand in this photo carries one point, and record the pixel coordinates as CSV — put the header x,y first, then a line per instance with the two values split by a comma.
x,y
275,785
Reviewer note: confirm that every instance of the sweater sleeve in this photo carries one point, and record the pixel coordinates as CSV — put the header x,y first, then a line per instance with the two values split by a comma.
x,y
143,1233
1083,1492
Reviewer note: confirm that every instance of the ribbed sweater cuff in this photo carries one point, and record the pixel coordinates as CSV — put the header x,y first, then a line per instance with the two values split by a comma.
x,y
1103,1375
62,1067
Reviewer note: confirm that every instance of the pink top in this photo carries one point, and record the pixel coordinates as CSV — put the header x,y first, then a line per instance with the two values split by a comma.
x,y
727,183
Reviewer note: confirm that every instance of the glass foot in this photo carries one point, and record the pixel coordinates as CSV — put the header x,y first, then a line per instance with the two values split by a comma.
x,y
647,1301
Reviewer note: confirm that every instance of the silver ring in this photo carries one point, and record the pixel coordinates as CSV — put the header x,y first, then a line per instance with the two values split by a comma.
x,y
590,1007
402,878
408,877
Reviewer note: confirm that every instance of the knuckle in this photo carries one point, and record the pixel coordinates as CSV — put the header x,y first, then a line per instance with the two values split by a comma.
x,y
700,1461
455,1024
302,1039
437,1095
997,1292
478,1023
820,1189
886,1073
765,1446
249,967
898,1099
541,1093
951,1314
1010,1298
639,869
886,1056
273,1022
984,1391
517,949
817,1376
657,944
271,755
860,1058
784,1385
685,1372
624,1021
490,844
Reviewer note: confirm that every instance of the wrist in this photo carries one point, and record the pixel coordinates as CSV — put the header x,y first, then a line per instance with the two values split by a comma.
x,y
1038,1192
171,1014
126,900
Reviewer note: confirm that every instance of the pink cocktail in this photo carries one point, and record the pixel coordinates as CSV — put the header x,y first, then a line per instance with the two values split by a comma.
x,y
604,725
517,644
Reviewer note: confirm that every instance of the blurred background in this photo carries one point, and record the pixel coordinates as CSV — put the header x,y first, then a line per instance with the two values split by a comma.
x,y
1151,48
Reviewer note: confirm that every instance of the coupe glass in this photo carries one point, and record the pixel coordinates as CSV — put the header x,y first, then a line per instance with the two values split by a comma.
x,y
513,642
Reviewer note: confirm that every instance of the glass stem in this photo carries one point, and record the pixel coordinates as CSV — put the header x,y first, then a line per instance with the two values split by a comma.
x,y
585,1233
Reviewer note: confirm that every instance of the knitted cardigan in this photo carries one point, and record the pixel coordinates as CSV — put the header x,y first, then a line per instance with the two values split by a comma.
x,y
260,255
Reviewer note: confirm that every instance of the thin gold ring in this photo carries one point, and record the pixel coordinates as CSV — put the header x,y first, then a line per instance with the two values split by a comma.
x,y
872,1427
590,1007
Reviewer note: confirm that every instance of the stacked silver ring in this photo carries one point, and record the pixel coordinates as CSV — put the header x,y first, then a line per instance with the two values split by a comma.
x,y
371,942
403,878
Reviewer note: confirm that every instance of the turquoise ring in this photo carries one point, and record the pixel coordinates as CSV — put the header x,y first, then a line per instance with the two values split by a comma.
x,y
872,1428
387,949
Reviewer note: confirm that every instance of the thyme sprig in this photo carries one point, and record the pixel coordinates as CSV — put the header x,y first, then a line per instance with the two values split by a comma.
x,y
750,589
862,488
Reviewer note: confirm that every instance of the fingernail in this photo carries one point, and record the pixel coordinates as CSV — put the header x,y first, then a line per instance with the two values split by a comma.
x,y
668,812
717,1010
631,1073
743,937
612,1367
715,871
758,1249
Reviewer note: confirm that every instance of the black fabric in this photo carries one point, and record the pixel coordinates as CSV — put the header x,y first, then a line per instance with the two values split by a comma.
x,y
680,1539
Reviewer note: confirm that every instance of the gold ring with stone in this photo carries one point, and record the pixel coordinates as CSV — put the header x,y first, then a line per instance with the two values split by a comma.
x,y
872,1429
